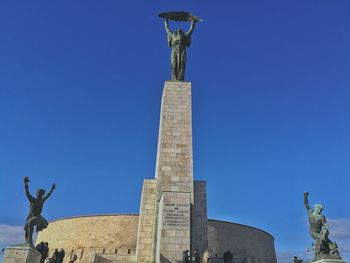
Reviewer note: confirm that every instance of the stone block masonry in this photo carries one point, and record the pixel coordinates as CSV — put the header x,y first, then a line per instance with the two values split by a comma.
x,y
173,211
164,237
22,253
174,167
89,235
174,172
145,236
199,225
329,261
174,226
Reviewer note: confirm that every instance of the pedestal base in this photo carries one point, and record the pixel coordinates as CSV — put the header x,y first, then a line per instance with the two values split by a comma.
x,y
329,260
22,253
173,235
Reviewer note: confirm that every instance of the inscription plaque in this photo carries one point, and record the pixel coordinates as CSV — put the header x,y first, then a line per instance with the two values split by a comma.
x,y
176,216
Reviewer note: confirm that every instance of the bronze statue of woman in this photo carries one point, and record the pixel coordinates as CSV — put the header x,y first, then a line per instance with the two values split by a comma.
x,y
179,41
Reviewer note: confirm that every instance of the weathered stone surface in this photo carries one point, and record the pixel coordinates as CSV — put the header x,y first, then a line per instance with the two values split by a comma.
x,y
174,224
247,242
199,226
86,236
174,165
96,258
174,172
109,258
133,238
22,253
146,228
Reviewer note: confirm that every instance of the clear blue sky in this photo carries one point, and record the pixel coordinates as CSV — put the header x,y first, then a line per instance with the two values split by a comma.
x,y
80,90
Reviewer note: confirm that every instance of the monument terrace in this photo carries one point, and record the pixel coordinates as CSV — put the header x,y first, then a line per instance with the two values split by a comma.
x,y
172,225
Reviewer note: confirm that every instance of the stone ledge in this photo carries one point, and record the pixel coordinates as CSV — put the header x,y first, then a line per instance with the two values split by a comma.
x,y
21,253
329,260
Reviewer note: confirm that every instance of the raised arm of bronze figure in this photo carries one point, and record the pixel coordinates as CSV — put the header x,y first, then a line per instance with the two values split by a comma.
x,y
50,192
306,202
167,28
193,25
26,189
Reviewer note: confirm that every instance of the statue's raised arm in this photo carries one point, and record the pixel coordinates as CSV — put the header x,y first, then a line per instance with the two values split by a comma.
x,y
53,187
166,25
306,203
26,189
190,31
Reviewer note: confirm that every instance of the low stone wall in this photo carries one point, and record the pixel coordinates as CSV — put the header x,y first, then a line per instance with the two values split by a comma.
x,y
87,235
247,244
112,238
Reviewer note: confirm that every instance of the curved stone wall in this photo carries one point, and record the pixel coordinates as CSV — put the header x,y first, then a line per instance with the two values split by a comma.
x,y
84,236
114,237
247,244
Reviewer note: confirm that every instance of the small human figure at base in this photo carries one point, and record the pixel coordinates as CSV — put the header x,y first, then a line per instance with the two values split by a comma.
x,y
40,247
186,256
197,258
54,257
206,256
43,248
75,257
228,256
296,260
60,256
46,252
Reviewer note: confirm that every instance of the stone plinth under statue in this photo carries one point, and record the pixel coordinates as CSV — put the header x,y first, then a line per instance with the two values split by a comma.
x,y
329,260
174,226
21,253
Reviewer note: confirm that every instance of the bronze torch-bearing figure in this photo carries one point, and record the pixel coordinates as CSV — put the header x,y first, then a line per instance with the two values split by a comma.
x,y
179,41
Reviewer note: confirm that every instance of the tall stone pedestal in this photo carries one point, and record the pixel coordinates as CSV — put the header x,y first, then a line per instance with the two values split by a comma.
x,y
173,213
174,168
21,253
